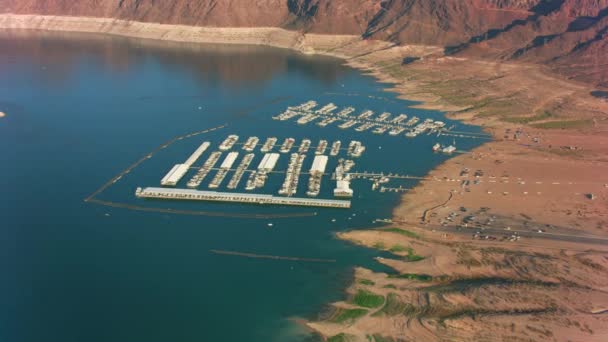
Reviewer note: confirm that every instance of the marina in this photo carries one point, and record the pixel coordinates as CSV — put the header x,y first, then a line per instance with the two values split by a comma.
x,y
251,143
365,115
346,112
258,177
348,124
204,170
292,176
229,142
335,148
305,146
240,171
396,131
355,149
269,144
380,130
305,106
326,122
444,149
179,170
399,119
343,179
197,154
306,119
287,145
323,152
317,171
327,109
166,91
174,175
213,196
383,117
364,121
223,171
321,147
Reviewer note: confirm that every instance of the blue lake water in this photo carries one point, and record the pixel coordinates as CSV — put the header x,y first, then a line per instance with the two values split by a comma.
x,y
80,109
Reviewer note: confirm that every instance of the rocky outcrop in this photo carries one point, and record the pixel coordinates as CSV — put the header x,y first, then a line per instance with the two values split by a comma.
x,y
567,35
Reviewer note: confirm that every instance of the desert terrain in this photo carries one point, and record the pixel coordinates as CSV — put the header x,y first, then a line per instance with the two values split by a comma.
x,y
507,242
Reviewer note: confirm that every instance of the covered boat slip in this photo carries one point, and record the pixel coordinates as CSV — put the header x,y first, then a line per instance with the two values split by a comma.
x,y
214,196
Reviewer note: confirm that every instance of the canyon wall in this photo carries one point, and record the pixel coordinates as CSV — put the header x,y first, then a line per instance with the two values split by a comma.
x,y
569,36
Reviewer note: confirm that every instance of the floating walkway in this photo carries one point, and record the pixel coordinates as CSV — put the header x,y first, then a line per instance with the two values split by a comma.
x,y
213,196
381,174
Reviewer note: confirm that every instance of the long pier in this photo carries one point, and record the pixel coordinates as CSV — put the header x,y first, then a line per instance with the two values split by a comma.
x,y
214,196
366,174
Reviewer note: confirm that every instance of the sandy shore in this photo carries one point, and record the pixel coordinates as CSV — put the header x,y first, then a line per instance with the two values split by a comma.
x,y
491,247
544,173
506,242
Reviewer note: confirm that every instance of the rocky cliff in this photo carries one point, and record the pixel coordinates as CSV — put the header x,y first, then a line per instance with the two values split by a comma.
x,y
570,36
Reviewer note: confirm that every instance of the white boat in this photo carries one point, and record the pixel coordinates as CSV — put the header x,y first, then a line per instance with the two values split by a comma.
x,y
450,149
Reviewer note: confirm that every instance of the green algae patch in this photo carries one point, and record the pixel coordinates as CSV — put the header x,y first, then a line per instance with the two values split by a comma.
x,y
348,315
341,337
392,307
563,124
366,282
412,256
402,232
528,119
368,299
412,276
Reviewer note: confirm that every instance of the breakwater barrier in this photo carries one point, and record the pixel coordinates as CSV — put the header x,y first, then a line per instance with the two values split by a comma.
x,y
144,158
274,257
199,212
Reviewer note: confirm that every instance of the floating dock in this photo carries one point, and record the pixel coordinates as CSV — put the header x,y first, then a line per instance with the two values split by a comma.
x,y
319,164
174,175
292,176
213,196
240,171
179,170
229,161
197,154
224,168
197,179
365,121
335,148
269,144
251,143
268,162
258,179
287,145
229,142
343,189
321,147
316,175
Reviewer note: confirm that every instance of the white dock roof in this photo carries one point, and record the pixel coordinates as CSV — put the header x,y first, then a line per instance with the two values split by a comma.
x,y
174,175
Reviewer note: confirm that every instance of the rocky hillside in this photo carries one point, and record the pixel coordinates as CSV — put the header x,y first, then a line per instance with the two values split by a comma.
x,y
570,36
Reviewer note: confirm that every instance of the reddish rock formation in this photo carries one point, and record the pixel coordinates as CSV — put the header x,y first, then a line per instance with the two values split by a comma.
x,y
567,35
